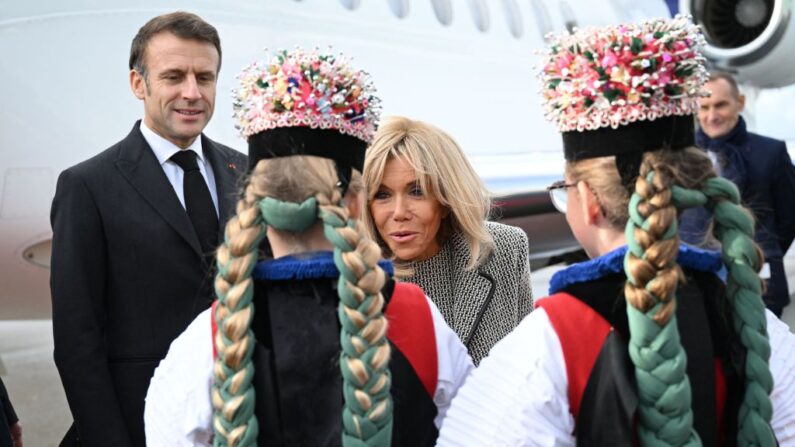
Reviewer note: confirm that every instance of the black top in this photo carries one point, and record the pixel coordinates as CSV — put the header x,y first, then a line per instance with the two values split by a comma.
x,y
607,411
297,374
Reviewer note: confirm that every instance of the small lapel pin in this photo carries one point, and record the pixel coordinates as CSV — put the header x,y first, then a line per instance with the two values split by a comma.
x,y
232,166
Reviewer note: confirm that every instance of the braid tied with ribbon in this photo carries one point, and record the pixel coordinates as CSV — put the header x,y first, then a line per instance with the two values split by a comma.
x,y
664,398
734,228
234,421
367,415
665,413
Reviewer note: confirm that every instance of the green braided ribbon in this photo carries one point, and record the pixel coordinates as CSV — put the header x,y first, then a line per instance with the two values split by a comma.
x,y
664,397
289,216
735,228
359,430
245,412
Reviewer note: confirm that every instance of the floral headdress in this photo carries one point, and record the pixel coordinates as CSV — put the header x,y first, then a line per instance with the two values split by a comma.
x,y
613,76
314,89
623,90
306,103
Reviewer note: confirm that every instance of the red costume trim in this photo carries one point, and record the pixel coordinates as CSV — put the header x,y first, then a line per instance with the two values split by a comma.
x,y
411,331
581,339
582,332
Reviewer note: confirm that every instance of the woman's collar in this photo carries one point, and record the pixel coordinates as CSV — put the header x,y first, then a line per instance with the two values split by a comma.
x,y
310,265
613,262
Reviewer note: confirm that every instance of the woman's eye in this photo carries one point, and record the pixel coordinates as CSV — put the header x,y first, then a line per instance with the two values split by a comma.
x,y
380,195
416,191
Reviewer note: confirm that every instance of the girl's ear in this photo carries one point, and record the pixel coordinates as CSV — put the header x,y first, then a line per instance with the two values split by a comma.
x,y
354,202
591,209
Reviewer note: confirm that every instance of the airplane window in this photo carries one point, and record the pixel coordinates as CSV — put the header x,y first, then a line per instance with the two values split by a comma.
x,y
514,17
443,10
351,4
400,8
569,19
543,20
480,14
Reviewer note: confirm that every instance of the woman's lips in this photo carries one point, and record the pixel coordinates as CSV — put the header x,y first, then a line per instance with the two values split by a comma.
x,y
403,236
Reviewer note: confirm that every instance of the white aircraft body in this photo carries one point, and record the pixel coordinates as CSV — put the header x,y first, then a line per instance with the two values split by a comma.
x,y
466,66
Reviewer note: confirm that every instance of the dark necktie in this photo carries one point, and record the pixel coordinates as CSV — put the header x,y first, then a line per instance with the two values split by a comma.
x,y
198,202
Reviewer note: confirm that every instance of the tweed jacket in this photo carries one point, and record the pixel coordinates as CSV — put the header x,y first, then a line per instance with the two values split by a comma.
x,y
484,304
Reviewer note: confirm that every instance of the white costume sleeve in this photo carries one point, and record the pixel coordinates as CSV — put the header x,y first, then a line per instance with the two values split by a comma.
x,y
178,409
454,365
782,365
518,396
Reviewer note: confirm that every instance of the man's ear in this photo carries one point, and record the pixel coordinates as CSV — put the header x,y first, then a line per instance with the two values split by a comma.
x,y
741,100
137,84
591,210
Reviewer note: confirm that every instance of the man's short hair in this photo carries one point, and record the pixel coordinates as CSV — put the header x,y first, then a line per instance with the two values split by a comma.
x,y
729,79
182,24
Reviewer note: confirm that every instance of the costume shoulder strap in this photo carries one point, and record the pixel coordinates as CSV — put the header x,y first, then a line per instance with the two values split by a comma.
x,y
582,332
411,331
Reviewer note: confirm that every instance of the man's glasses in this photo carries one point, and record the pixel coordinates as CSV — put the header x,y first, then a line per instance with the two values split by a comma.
x,y
558,194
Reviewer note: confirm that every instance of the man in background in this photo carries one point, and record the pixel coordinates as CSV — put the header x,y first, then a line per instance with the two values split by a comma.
x,y
134,232
763,172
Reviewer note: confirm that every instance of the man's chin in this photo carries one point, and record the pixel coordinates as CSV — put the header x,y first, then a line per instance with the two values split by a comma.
x,y
190,130
716,133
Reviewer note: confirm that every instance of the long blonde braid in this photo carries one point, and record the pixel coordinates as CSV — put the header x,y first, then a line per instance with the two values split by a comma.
x,y
234,421
367,416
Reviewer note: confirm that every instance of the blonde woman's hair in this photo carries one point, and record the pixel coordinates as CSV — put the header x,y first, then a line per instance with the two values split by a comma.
x,y
443,170
365,352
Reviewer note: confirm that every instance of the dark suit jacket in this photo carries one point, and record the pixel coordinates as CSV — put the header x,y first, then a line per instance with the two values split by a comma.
x,y
127,278
769,193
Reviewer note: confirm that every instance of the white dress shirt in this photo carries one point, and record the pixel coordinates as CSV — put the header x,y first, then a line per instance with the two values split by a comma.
x,y
164,149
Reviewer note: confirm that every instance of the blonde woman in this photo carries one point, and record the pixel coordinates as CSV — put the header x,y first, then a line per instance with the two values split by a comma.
x,y
428,210
643,344
317,346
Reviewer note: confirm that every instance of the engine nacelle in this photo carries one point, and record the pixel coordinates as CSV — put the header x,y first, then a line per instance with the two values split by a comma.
x,y
753,39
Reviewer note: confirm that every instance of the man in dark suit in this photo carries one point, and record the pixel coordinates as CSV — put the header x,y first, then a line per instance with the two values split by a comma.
x,y
763,172
134,230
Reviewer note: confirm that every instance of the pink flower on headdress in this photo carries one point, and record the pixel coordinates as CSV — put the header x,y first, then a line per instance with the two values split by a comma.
x,y
288,69
564,61
666,57
609,59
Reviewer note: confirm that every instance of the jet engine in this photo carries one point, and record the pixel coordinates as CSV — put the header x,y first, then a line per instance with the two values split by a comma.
x,y
753,39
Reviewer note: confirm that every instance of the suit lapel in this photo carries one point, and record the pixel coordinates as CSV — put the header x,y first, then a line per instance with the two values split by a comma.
x,y
471,288
138,164
226,173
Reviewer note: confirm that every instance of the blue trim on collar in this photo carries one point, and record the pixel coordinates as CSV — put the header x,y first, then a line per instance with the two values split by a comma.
x,y
313,265
613,262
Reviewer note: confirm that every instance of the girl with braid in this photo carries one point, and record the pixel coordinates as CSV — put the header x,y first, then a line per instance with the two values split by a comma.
x,y
316,346
644,344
